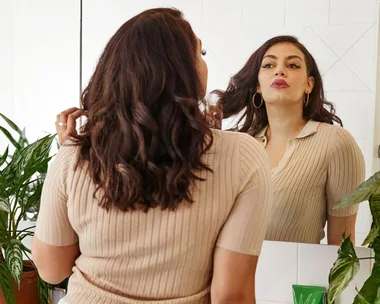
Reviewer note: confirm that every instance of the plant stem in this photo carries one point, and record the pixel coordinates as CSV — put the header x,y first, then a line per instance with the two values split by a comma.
x,y
368,258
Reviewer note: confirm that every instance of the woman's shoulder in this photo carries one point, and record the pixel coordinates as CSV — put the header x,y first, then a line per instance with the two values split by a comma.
x,y
341,140
66,156
335,131
244,146
236,138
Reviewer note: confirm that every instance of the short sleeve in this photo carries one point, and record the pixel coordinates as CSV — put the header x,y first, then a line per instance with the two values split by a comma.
x,y
245,228
53,226
346,171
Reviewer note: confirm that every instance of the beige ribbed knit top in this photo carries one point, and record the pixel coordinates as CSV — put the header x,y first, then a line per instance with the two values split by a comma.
x,y
322,164
159,256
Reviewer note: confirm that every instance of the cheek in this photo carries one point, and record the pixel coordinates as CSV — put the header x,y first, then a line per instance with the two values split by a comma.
x,y
264,80
300,78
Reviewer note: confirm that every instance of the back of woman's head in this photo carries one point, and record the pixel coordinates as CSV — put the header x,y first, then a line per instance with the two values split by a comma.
x,y
243,85
145,135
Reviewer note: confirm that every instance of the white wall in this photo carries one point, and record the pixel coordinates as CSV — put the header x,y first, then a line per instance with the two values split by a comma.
x,y
6,68
39,76
39,59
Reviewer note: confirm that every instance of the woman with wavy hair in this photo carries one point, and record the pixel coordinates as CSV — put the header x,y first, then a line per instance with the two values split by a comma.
x,y
279,92
147,204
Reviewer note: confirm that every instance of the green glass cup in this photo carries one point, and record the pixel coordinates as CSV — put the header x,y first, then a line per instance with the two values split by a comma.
x,y
304,294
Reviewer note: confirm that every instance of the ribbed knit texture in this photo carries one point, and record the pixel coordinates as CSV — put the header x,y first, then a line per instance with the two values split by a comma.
x,y
159,256
322,164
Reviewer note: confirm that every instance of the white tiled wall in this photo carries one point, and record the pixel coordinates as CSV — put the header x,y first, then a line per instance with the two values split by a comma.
x,y
39,76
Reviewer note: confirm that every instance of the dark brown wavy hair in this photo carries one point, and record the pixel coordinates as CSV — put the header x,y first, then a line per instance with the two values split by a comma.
x,y
239,93
145,135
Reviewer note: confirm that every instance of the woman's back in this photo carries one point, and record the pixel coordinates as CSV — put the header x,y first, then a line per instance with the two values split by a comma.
x,y
137,204
138,257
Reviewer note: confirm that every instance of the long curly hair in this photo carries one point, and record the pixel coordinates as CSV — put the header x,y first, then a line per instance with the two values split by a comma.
x,y
237,98
145,134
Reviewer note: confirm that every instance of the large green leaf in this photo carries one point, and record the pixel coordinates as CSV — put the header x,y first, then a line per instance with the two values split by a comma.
x,y
361,193
370,287
377,300
359,299
38,157
343,270
29,161
376,249
374,204
372,235
6,284
13,256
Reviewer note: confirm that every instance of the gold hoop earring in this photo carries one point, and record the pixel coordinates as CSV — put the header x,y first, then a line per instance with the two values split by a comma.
x,y
306,101
253,100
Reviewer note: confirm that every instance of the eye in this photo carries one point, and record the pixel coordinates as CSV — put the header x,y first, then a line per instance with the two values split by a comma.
x,y
203,52
267,66
294,66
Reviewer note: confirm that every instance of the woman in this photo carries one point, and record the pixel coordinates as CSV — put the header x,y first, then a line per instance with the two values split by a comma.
x,y
313,162
147,204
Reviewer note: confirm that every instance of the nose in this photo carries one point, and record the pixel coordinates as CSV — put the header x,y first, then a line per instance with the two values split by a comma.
x,y
280,71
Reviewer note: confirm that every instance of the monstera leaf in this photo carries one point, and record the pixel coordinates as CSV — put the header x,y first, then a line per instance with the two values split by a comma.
x,y
343,270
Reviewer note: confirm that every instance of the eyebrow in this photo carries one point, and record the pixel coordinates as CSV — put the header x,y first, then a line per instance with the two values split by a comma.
x,y
289,57
200,41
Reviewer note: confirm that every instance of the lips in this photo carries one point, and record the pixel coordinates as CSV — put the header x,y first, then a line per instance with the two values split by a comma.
x,y
280,83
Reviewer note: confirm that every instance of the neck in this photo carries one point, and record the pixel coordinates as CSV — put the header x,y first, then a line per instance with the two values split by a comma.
x,y
285,121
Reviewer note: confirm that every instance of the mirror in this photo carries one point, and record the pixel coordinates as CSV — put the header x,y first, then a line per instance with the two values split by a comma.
x,y
342,39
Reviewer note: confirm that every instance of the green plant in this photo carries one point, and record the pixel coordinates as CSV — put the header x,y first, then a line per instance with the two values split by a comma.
x,y
348,263
23,167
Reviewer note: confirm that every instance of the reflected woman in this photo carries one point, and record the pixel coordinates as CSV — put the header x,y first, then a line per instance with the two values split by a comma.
x,y
313,162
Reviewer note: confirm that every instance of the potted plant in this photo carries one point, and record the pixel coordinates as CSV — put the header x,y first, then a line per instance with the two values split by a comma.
x,y
22,170
348,263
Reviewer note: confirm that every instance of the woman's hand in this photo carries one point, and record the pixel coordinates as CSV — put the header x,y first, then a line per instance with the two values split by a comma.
x,y
66,123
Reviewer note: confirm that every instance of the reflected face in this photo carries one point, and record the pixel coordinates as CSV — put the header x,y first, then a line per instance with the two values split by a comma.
x,y
202,67
283,78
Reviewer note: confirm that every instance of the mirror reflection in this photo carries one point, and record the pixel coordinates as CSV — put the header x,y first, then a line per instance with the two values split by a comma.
x,y
313,162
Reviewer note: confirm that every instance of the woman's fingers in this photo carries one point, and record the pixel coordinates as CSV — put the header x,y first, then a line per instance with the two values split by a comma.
x,y
66,123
